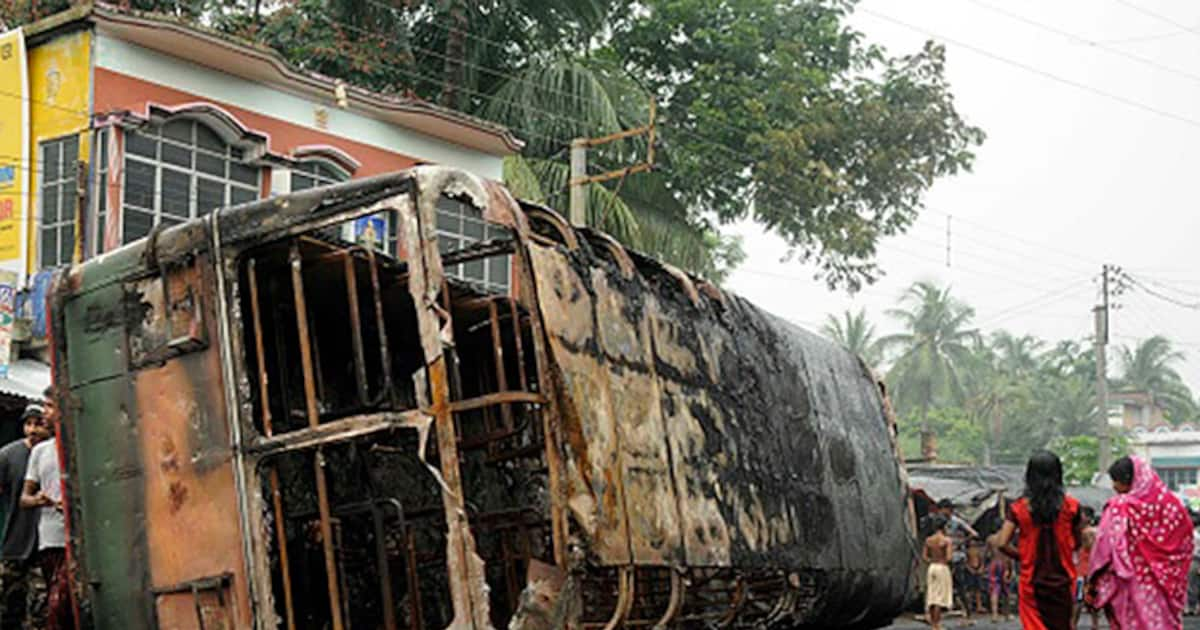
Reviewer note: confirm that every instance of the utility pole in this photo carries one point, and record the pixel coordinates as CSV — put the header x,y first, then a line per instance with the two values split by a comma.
x,y
81,202
1101,314
577,212
948,219
578,208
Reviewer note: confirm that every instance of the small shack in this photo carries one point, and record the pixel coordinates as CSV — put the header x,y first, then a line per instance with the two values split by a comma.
x,y
980,493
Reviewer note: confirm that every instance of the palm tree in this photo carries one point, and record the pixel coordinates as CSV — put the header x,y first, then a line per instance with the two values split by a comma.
x,y
855,333
933,351
553,100
1150,367
1015,355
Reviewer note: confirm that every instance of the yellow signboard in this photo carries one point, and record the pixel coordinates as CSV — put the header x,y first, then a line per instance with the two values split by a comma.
x,y
14,149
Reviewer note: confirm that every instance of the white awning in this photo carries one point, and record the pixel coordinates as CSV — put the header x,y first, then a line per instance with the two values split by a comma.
x,y
27,379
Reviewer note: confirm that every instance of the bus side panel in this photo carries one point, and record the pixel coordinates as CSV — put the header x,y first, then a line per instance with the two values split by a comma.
x,y
196,562
103,440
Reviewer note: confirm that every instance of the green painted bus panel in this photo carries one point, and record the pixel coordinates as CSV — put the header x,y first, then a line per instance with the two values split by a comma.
x,y
114,538
120,263
115,550
96,347
106,432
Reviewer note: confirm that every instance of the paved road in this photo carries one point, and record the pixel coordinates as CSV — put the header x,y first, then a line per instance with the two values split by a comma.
x,y
978,624
1189,623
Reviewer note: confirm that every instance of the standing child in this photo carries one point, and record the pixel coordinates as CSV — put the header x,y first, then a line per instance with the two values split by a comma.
x,y
939,584
975,581
999,574
1087,538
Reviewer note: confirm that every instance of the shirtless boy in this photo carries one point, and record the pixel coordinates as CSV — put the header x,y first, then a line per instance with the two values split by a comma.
x,y
939,585
975,582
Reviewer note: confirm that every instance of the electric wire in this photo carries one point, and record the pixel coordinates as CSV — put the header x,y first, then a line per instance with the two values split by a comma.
x,y
1150,63
1035,70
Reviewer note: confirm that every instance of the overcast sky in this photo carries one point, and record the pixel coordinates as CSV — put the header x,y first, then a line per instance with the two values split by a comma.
x,y
1067,180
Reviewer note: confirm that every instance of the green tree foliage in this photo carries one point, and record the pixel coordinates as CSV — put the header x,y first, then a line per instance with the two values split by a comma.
x,y
959,440
1149,367
1080,456
933,351
1017,392
16,13
768,109
781,111
855,333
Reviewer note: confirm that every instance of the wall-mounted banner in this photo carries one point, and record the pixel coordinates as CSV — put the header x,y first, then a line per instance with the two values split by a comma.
x,y
14,150
8,297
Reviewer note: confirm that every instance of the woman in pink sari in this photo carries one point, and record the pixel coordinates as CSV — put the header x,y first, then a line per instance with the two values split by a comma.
x,y
1143,551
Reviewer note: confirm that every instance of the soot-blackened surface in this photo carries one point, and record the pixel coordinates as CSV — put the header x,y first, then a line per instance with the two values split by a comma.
x,y
779,447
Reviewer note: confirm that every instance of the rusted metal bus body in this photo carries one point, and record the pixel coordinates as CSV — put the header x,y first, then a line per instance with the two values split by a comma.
x,y
267,426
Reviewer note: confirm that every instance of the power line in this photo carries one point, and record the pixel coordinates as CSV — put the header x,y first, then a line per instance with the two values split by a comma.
x,y
1038,71
1043,247
1074,286
739,155
1084,40
1165,286
576,121
1158,16
1174,342
1018,255
1163,296
982,259
30,99
1142,38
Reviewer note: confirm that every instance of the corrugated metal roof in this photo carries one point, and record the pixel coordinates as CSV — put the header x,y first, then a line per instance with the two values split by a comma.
x,y
26,379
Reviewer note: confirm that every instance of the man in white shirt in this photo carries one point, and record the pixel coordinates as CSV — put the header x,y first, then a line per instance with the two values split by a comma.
x,y
43,491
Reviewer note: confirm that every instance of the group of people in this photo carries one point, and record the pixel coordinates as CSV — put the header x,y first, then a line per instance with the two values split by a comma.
x,y
974,575
34,586
1134,566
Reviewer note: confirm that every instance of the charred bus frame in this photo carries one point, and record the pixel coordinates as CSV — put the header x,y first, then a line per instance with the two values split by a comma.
x,y
409,449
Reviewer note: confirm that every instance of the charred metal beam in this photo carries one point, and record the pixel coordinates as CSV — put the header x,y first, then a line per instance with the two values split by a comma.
x,y
416,620
498,398
518,333
481,249
311,210
736,604
674,604
356,340
385,359
340,431
498,360
273,477
551,415
310,400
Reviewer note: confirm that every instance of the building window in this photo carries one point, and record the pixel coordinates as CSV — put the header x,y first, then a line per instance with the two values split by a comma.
x,y
101,183
178,171
58,200
313,173
459,225
1176,478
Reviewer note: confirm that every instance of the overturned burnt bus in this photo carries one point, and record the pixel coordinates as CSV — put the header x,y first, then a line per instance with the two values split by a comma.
x,y
267,425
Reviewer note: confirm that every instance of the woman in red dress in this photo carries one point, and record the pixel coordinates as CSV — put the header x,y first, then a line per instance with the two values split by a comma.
x,y
1047,521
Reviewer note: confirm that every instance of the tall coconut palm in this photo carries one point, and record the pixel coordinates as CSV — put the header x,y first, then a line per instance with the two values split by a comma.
x,y
1016,355
555,99
854,332
1150,367
933,351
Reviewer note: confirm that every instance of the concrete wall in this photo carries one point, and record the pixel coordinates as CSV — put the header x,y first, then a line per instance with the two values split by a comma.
x,y
287,112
